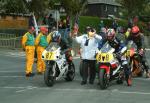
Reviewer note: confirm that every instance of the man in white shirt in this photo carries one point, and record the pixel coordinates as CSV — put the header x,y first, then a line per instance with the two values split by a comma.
x,y
89,44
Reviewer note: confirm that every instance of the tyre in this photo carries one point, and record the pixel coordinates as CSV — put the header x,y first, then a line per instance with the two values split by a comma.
x,y
48,75
103,80
71,73
141,67
138,71
120,79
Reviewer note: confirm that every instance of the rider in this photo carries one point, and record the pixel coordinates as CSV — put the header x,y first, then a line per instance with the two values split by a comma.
x,y
138,39
63,43
118,46
103,35
120,34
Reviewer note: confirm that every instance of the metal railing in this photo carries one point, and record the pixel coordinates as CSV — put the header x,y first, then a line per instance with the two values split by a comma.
x,y
10,41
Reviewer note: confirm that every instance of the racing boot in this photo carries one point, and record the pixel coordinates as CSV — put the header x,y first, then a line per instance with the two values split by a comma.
x,y
129,80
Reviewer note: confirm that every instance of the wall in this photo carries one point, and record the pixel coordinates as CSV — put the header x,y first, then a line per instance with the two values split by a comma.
x,y
13,22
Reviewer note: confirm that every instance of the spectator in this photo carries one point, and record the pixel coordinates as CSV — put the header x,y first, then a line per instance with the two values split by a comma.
x,y
68,22
101,25
31,21
114,25
51,22
130,23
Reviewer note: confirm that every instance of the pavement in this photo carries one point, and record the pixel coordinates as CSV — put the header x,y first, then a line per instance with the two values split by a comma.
x,y
16,88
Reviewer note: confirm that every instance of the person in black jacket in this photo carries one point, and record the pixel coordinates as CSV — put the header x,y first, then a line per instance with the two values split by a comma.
x,y
138,39
63,43
116,43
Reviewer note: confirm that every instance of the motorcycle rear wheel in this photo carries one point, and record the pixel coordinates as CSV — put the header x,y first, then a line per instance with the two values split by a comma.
x,y
71,73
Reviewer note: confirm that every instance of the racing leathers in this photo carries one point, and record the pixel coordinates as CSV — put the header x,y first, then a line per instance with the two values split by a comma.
x,y
139,41
118,46
65,49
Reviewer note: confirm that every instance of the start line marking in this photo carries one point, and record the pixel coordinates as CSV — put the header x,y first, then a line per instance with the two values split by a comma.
x,y
23,89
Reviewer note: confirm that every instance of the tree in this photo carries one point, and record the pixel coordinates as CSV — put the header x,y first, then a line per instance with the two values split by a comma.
x,y
39,7
73,7
133,7
13,6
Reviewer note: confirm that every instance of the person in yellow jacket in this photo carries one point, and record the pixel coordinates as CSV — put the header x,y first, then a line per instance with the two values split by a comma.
x,y
28,46
41,42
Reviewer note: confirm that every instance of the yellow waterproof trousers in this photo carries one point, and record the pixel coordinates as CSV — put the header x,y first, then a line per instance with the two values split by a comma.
x,y
29,58
40,63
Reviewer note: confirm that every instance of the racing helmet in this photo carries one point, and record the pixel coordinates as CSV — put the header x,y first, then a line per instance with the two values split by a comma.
x,y
110,34
135,31
55,36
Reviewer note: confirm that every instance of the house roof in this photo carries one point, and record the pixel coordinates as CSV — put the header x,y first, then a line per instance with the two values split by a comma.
x,y
110,2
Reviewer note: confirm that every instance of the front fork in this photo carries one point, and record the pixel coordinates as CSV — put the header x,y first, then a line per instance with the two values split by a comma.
x,y
107,69
52,67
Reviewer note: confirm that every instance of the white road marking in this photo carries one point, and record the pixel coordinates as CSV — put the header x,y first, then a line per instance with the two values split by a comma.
x,y
27,88
75,90
12,55
144,79
11,76
11,71
140,93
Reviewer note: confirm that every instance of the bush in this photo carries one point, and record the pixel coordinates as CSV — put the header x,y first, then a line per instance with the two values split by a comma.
x,y
94,22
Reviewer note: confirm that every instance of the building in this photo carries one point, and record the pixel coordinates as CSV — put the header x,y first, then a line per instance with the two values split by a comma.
x,y
14,21
102,8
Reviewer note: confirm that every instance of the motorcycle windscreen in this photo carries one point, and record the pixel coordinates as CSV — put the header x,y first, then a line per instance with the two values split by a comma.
x,y
106,54
51,52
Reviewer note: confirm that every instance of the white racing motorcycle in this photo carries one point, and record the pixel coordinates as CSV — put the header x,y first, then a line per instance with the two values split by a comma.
x,y
56,65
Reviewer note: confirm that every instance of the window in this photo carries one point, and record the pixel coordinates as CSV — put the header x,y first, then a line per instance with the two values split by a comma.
x,y
106,8
115,9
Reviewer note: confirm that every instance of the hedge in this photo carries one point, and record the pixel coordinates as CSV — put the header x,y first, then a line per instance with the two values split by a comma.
x,y
95,21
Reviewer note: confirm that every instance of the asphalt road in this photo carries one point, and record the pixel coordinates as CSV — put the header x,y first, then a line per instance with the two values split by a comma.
x,y
16,88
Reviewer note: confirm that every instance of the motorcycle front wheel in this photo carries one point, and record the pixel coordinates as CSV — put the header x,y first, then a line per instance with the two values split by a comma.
x,y
103,80
48,75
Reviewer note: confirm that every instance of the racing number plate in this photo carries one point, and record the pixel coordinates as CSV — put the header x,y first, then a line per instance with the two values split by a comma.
x,y
104,57
50,56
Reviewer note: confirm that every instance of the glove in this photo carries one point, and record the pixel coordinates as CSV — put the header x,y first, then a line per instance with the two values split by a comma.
x,y
141,52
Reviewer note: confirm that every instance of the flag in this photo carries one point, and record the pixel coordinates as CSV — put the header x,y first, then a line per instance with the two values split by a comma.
x,y
76,25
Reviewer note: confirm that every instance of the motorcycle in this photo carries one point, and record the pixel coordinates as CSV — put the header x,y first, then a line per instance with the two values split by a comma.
x,y
109,68
57,66
137,68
